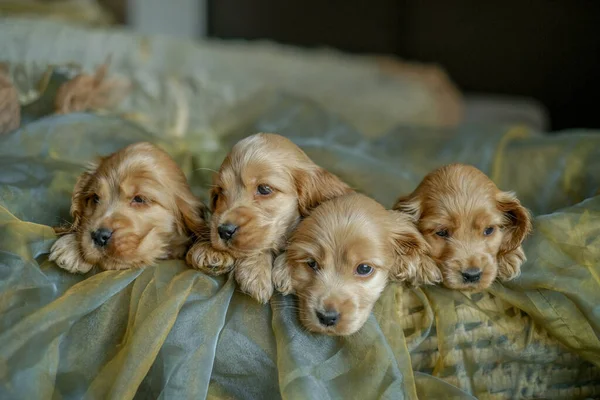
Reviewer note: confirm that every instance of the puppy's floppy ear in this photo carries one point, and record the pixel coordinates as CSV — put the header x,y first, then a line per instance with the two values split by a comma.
x,y
213,195
79,199
410,205
518,225
518,221
413,263
316,185
191,214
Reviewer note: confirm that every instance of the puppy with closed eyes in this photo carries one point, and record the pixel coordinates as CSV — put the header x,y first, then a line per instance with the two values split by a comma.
x,y
131,209
340,258
474,229
264,186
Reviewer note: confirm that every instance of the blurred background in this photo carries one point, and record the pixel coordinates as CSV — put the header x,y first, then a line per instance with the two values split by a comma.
x,y
534,61
503,52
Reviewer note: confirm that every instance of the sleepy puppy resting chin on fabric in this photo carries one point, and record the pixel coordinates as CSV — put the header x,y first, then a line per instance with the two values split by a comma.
x,y
264,186
340,258
131,209
474,229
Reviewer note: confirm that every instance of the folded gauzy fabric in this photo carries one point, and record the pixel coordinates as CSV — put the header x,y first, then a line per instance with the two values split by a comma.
x,y
167,331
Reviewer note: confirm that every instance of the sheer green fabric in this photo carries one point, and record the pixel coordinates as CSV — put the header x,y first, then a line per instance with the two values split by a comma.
x,y
167,331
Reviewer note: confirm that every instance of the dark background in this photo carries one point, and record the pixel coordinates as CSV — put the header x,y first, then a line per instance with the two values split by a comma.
x,y
547,50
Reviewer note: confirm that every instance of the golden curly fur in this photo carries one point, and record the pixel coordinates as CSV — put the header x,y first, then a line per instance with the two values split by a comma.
x,y
264,186
339,260
131,209
474,229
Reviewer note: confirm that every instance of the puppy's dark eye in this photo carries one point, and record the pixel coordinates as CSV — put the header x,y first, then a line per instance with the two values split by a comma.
x,y
138,200
96,199
264,190
364,270
442,233
488,231
312,264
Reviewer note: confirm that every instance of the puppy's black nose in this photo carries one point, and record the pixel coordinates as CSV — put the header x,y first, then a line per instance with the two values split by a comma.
x,y
329,317
226,231
471,275
101,237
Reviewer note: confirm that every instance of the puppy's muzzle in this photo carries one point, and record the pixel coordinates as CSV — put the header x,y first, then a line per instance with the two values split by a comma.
x,y
471,275
227,231
328,317
101,237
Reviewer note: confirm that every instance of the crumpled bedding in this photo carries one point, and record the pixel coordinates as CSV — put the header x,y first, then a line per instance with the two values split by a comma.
x,y
167,331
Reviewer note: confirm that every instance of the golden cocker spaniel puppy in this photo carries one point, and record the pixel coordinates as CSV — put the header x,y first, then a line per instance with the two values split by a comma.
x,y
131,209
474,229
264,186
340,258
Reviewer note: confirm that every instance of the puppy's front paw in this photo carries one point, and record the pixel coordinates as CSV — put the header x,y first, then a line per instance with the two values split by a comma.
x,y
255,282
509,264
417,270
65,253
208,260
429,273
282,280
258,287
